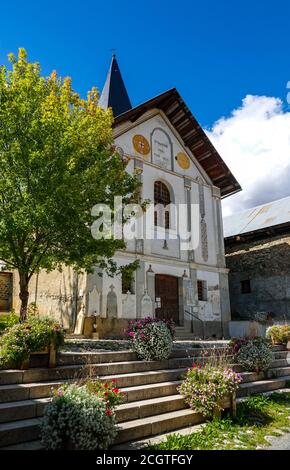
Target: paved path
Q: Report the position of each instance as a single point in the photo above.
(280, 443)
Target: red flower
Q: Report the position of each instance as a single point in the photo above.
(106, 385)
(194, 365)
(106, 394)
(113, 381)
(108, 412)
(115, 390)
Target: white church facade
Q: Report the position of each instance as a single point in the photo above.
(177, 164)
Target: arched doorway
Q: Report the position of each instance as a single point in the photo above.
(166, 296)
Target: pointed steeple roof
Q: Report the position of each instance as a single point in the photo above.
(114, 94)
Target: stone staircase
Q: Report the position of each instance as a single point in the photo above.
(183, 334)
(151, 405)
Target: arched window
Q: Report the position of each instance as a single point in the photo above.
(161, 198)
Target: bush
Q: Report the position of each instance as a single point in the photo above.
(255, 354)
(6, 321)
(278, 334)
(205, 387)
(33, 335)
(81, 417)
(150, 338)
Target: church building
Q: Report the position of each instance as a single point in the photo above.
(177, 164)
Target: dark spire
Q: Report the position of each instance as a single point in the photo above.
(114, 94)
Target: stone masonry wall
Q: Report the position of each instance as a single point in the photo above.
(56, 294)
(266, 264)
(5, 291)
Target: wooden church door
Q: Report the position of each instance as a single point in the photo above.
(166, 297)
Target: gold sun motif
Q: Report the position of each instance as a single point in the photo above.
(183, 160)
(141, 144)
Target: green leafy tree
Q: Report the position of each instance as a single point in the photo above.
(57, 160)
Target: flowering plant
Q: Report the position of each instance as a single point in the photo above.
(135, 325)
(80, 417)
(151, 338)
(204, 388)
(236, 344)
(254, 354)
(278, 334)
(33, 335)
(106, 390)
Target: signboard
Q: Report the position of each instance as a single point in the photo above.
(161, 148)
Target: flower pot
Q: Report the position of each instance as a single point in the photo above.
(228, 403)
(50, 351)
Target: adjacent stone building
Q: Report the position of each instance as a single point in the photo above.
(177, 164)
(257, 245)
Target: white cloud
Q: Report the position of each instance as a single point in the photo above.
(254, 141)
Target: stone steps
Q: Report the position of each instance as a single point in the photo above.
(30, 445)
(278, 372)
(19, 431)
(20, 410)
(139, 428)
(261, 386)
(152, 387)
(79, 371)
(42, 389)
(151, 402)
(73, 358)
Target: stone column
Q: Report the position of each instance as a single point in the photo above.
(140, 287)
(197, 325)
(219, 227)
(225, 303)
(181, 299)
(188, 200)
(150, 277)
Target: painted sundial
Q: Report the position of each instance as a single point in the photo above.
(183, 160)
(141, 144)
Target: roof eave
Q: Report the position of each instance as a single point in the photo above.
(193, 136)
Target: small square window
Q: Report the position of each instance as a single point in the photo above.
(246, 286)
(202, 290)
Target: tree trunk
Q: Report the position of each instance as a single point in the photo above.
(23, 295)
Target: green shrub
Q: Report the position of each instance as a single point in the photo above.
(81, 417)
(150, 338)
(205, 387)
(6, 321)
(33, 335)
(278, 334)
(255, 354)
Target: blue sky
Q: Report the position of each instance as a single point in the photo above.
(214, 52)
(230, 60)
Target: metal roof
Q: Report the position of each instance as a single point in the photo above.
(258, 218)
(193, 136)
